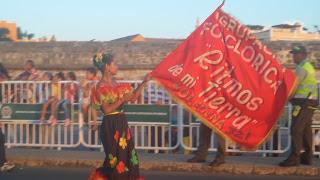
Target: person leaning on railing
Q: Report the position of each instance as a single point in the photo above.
(30, 72)
(53, 100)
(43, 89)
(86, 85)
(70, 96)
(4, 76)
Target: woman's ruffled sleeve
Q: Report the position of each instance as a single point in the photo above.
(125, 89)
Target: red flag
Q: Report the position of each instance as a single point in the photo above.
(228, 79)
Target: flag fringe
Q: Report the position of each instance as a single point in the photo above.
(243, 148)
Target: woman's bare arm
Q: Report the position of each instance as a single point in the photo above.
(138, 90)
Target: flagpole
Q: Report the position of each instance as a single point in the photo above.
(221, 5)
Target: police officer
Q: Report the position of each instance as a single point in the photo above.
(304, 103)
(202, 152)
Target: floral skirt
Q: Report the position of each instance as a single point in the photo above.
(121, 161)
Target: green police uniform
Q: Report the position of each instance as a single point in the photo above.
(304, 103)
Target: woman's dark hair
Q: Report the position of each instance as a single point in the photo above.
(72, 75)
(60, 75)
(49, 74)
(4, 71)
(31, 62)
(101, 59)
(92, 70)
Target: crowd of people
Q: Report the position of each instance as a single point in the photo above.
(108, 96)
(57, 91)
(52, 90)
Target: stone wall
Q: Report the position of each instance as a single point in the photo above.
(134, 58)
(282, 48)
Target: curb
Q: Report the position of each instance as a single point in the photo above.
(236, 169)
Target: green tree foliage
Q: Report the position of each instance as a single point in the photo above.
(4, 32)
(24, 35)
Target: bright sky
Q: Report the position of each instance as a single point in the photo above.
(83, 20)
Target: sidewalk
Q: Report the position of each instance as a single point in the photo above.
(246, 164)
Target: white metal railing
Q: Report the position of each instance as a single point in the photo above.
(315, 130)
(180, 131)
(30, 132)
(35, 134)
(279, 142)
(148, 136)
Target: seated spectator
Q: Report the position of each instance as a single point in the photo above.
(70, 95)
(30, 73)
(86, 85)
(44, 89)
(53, 100)
(4, 165)
(4, 75)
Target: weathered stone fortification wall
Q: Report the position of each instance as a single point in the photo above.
(134, 59)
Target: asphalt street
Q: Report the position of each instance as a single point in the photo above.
(83, 173)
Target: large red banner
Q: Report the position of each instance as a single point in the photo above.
(228, 79)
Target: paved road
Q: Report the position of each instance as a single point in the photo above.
(82, 174)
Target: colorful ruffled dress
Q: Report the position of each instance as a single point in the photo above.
(121, 161)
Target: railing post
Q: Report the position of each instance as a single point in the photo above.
(180, 124)
(289, 126)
